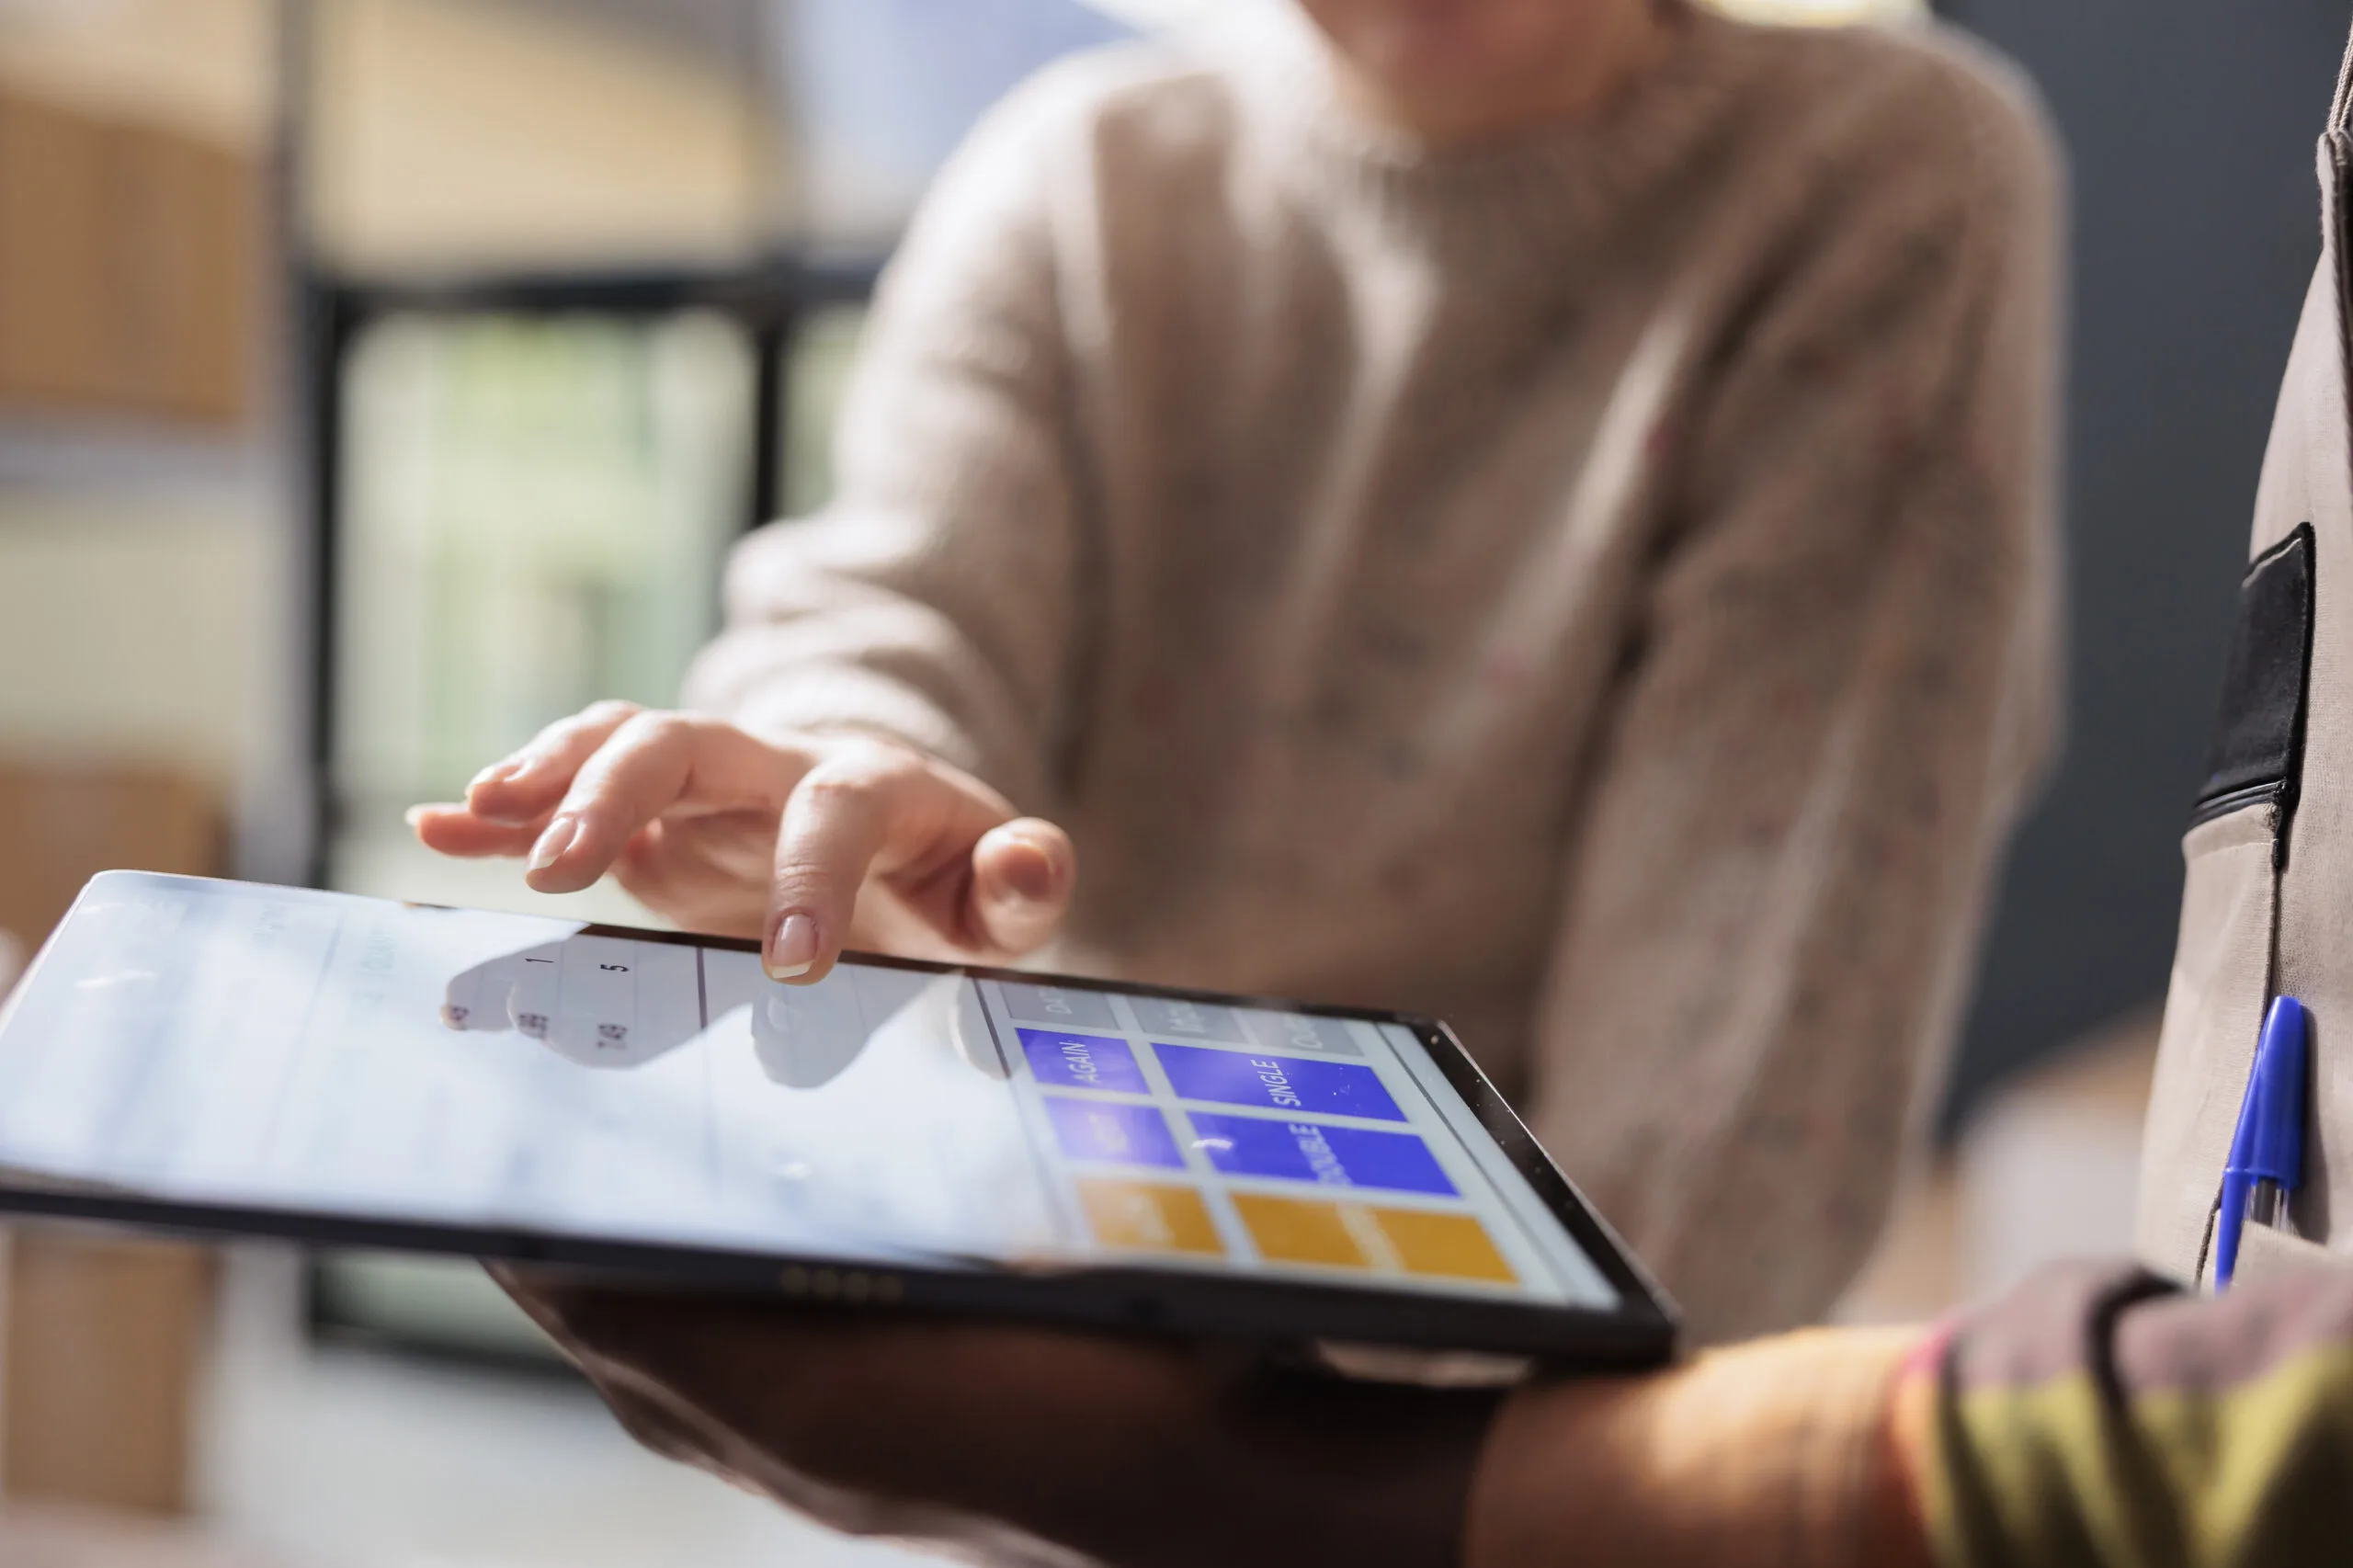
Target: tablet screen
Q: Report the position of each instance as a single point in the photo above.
(228, 1044)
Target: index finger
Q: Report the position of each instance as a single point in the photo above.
(653, 765)
(525, 786)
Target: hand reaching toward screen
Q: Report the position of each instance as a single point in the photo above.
(811, 843)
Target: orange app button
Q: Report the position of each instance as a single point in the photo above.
(1452, 1246)
(1141, 1215)
(1357, 1235)
(1293, 1229)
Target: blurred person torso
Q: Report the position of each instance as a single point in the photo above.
(1592, 585)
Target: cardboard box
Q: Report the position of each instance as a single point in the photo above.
(60, 826)
(130, 265)
(105, 1347)
(56, 343)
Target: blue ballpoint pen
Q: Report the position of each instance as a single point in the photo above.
(2267, 1159)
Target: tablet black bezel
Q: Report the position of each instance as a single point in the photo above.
(1639, 1332)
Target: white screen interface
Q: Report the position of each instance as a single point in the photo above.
(218, 1042)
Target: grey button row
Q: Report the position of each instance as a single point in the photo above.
(1172, 1018)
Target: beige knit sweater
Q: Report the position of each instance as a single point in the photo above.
(1597, 588)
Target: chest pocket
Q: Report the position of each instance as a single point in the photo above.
(2226, 958)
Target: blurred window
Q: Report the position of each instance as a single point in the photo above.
(823, 352)
(532, 514)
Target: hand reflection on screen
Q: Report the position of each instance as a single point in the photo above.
(591, 1001)
(524, 992)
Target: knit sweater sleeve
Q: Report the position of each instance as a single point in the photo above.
(930, 601)
(1842, 681)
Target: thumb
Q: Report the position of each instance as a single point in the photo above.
(1023, 874)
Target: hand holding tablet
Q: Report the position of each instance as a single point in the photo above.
(988, 1442)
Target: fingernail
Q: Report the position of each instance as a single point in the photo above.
(792, 949)
(412, 816)
(558, 837)
(496, 773)
(1032, 876)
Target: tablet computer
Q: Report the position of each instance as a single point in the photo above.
(231, 1058)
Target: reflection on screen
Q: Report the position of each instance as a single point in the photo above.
(212, 1042)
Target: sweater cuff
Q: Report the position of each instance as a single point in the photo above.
(1772, 1455)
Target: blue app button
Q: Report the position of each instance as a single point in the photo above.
(1109, 1132)
(1277, 1082)
(1312, 1152)
(1061, 1060)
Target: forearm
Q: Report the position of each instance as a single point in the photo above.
(1771, 1455)
(1294, 1468)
